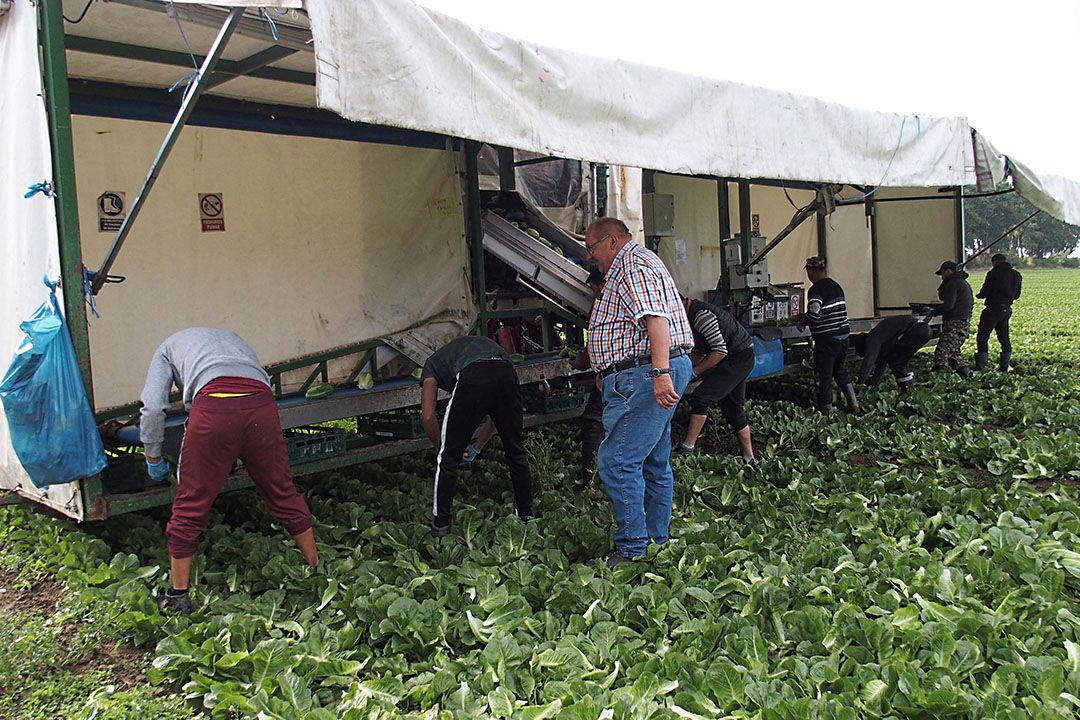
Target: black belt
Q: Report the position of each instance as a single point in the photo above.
(640, 360)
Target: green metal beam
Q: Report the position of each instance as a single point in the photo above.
(744, 219)
(58, 109)
(475, 232)
(723, 210)
(871, 210)
(250, 64)
(822, 237)
(960, 228)
(230, 68)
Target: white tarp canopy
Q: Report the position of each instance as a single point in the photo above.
(1053, 194)
(391, 62)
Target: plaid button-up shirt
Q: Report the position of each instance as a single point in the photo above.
(637, 285)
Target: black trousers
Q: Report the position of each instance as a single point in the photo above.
(592, 432)
(994, 318)
(900, 354)
(725, 383)
(488, 387)
(830, 361)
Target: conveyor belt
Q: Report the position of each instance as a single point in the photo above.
(540, 268)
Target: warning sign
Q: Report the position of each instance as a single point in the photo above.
(112, 209)
(211, 212)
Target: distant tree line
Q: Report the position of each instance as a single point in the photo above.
(1043, 240)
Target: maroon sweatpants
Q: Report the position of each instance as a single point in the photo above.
(218, 431)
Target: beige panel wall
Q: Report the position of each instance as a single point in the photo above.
(847, 247)
(913, 239)
(326, 242)
(693, 254)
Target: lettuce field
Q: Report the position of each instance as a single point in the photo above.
(921, 561)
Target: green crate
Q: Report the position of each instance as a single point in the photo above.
(557, 401)
(392, 423)
(313, 443)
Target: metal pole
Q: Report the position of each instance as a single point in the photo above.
(191, 96)
(1001, 237)
(744, 218)
(58, 109)
(871, 210)
(960, 231)
(507, 169)
(475, 232)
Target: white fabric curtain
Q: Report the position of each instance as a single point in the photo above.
(391, 62)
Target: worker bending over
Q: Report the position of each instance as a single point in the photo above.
(231, 415)
(723, 358)
(892, 342)
(482, 382)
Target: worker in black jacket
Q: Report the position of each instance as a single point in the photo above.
(1000, 288)
(955, 309)
(723, 357)
(892, 342)
(826, 314)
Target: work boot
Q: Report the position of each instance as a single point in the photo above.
(964, 371)
(852, 400)
(982, 360)
(905, 386)
(175, 602)
(825, 409)
(437, 530)
(1003, 361)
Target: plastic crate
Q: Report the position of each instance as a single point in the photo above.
(313, 443)
(392, 423)
(557, 401)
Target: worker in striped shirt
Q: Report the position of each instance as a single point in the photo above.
(826, 314)
(639, 339)
(723, 358)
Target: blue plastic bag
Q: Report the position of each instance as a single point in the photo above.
(52, 427)
(768, 357)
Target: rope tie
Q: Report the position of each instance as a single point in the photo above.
(270, 21)
(44, 187)
(88, 291)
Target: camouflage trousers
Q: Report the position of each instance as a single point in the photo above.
(947, 354)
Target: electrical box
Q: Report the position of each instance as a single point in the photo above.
(658, 214)
(757, 276)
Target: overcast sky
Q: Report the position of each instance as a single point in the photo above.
(1009, 66)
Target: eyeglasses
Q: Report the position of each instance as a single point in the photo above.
(589, 247)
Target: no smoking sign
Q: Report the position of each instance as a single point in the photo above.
(211, 212)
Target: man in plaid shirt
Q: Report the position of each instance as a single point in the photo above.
(639, 339)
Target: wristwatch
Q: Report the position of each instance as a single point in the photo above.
(657, 372)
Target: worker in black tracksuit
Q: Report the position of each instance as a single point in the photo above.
(1000, 288)
(723, 358)
(481, 381)
(826, 314)
(892, 342)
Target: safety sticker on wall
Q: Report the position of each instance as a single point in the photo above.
(211, 212)
(111, 210)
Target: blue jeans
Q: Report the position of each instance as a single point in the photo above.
(635, 457)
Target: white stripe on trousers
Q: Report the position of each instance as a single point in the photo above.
(442, 448)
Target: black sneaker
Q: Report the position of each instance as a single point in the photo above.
(180, 604)
(439, 530)
(615, 559)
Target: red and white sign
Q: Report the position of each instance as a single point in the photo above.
(211, 212)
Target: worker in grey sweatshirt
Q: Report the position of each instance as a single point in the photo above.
(232, 414)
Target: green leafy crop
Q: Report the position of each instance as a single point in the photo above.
(921, 561)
